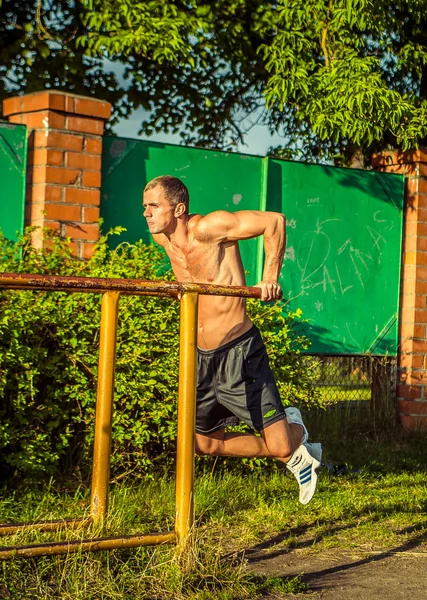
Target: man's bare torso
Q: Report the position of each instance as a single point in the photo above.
(221, 319)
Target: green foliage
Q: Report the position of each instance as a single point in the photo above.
(38, 51)
(334, 79)
(49, 353)
(353, 71)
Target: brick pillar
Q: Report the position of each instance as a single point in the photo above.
(64, 163)
(412, 359)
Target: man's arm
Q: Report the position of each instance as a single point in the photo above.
(246, 224)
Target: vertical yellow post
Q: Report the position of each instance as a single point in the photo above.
(186, 416)
(104, 405)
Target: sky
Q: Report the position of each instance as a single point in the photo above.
(257, 141)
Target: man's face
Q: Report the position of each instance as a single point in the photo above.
(158, 211)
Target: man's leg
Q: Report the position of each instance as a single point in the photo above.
(279, 441)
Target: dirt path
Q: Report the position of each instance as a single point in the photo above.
(344, 575)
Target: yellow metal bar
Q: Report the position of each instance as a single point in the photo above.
(186, 416)
(104, 406)
(94, 545)
(11, 528)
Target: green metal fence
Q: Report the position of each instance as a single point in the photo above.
(13, 159)
(342, 265)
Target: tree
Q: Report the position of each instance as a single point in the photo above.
(336, 78)
(38, 51)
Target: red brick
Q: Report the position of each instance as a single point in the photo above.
(411, 407)
(15, 119)
(406, 330)
(419, 332)
(59, 175)
(413, 423)
(93, 145)
(92, 108)
(411, 228)
(421, 201)
(12, 106)
(88, 249)
(62, 212)
(422, 229)
(420, 273)
(407, 286)
(410, 244)
(421, 287)
(75, 248)
(409, 272)
(419, 346)
(422, 214)
(411, 361)
(83, 161)
(407, 314)
(63, 141)
(411, 216)
(44, 156)
(82, 232)
(44, 119)
(54, 225)
(79, 196)
(91, 179)
(418, 377)
(40, 193)
(421, 258)
(37, 212)
(408, 301)
(410, 258)
(412, 184)
(90, 215)
(34, 102)
(85, 125)
(409, 391)
(420, 316)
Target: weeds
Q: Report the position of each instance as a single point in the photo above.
(378, 503)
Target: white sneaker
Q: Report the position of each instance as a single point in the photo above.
(304, 464)
(293, 415)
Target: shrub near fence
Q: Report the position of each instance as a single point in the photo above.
(49, 356)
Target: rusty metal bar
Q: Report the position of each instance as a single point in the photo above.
(18, 281)
(93, 545)
(184, 519)
(45, 525)
(104, 406)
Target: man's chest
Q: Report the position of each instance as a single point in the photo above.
(199, 262)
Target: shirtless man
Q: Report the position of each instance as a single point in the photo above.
(234, 378)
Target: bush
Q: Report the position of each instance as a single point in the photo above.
(49, 354)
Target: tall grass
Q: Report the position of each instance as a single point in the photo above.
(380, 503)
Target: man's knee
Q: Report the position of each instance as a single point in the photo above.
(280, 449)
(278, 441)
(207, 446)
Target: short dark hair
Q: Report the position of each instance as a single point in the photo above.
(173, 188)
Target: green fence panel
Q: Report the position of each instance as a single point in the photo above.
(13, 161)
(216, 181)
(342, 263)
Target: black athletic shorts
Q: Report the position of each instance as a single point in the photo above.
(235, 383)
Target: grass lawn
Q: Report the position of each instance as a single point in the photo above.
(379, 503)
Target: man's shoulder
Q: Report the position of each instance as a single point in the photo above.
(208, 225)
